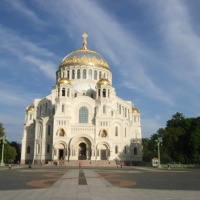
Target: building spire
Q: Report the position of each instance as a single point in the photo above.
(84, 40)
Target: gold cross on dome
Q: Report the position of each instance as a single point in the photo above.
(84, 40)
(84, 36)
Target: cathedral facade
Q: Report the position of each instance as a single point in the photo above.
(82, 118)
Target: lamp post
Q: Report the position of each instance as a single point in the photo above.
(159, 141)
(3, 138)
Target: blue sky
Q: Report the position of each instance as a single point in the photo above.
(151, 46)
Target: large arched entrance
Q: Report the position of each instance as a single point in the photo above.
(82, 151)
(59, 151)
(81, 148)
(103, 151)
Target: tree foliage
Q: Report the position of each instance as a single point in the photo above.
(1, 130)
(180, 141)
(11, 150)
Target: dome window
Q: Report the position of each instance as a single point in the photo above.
(68, 74)
(90, 74)
(104, 92)
(73, 74)
(84, 74)
(99, 75)
(63, 92)
(78, 74)
(95, 75)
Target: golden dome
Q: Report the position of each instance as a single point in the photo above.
(135, 110)
(64, 80)
(103, 81)
(30, 108)
(84, 56)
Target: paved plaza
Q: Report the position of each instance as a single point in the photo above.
(59, 183)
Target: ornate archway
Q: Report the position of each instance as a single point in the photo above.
(103, 151)
(82, 151)
(81, 148)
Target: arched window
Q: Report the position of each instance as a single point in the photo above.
(125, 132)
(63, 108)
(83, 115)
(135, 151)
(75, 95)
(99, 75)
(119, 109)
(49, 130)
(68, 74)
(92, 95)
(63, 92)
(99, 92)
(104, 92)
(90, 74)
(48, 148)
(68, 93)
(78, 74)
(95, 75)
(125, 149)
(116, 149)
(84, 74)
(116, 131)
(28, 149)
(73, 74)
(40, 110)
(104, 108)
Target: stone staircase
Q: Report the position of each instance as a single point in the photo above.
(83, 163)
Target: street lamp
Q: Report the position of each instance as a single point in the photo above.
(3, 138)
(159, 141)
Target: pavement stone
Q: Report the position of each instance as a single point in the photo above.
(67, 187)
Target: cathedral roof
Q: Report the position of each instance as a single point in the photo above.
(103, 81)
(84, 56)
(64, 80)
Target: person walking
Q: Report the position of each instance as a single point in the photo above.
(168, 165)
(9, 166)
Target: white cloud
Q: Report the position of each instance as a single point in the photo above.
(181, 40)
(120, 46)
(28, 51)
(20, 7)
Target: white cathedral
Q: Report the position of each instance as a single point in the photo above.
(82, 118)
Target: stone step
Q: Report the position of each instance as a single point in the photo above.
(84, 163)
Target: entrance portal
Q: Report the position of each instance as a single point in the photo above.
(82, 151)
(103, 154)
(61, 154)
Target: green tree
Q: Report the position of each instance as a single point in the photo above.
(1, 130)
(18, 150)
(180, 139)
(10, 153)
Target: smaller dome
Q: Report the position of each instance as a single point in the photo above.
(103, 81)
(30, 108)
(65, 81)
(135, 110)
